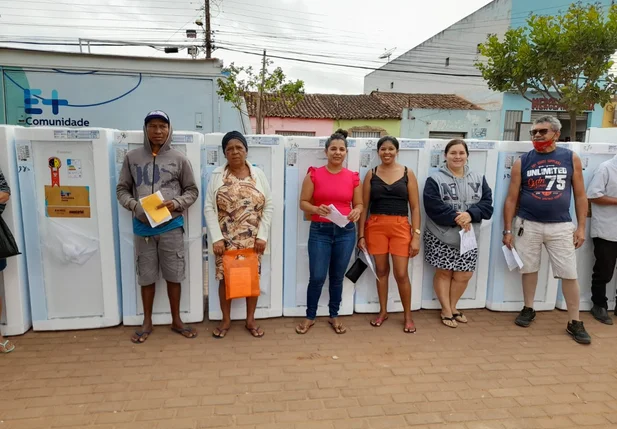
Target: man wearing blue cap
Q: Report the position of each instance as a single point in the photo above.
(158, 167)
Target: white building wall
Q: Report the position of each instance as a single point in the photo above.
(459, 43)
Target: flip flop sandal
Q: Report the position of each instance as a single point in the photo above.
(181, 331)
(219, 333)
(140, 335)
(379, 321)
(302, 329)
(255, 331)
(450, 322)
(338, 327)
(410, 328)
(5, 348)
(460, 317)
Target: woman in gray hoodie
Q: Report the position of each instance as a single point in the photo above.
(455, 198)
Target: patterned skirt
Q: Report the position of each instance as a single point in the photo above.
(442, 256)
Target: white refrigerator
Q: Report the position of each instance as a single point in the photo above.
(300, 154)
(505, 289)
(482, 159)
(414, 155)
(192, 295)
(66, 197)
(16, 318)
(592, 155)
(265, 152)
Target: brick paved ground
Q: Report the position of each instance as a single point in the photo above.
(489, 374)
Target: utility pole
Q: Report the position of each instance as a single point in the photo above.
(208, 31)
(260, 118)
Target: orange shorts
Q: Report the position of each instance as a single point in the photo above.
(387, 234)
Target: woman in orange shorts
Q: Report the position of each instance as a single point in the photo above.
(389, 191)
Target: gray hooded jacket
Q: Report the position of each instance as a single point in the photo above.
(446, 194)
(143, 174)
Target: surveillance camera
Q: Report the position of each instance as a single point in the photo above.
(199, 22)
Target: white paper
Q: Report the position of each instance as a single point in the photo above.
(468, 240)
(166, 219)
(336, 217)
(369, 262)
(512, 258)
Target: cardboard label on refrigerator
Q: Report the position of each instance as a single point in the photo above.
(67, 201)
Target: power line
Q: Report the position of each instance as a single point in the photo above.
(354, 67)
(95, 12)
(105, 19)
(334, 55)
(115, 6)
(276, 8)
(286, 22)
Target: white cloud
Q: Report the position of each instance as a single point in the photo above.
(334, 32)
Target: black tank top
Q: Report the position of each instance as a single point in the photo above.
(387, 199)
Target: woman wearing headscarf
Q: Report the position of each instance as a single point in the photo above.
(238, 213)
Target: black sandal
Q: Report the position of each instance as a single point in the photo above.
(459, 317)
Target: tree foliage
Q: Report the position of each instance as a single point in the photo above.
(565, 58)
(272, 88)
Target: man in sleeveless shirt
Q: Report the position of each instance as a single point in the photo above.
(542, 183)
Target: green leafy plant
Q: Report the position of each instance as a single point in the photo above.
(272, 88)
(566, 58)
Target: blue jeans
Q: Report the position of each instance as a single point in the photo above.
(329, 250)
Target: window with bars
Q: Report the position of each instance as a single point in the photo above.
(366, 134)
(295, 133)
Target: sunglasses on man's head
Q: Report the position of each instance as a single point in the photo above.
(541, 131)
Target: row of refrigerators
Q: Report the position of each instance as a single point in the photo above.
(77, 269)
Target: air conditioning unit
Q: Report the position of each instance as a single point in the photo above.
(193, 51)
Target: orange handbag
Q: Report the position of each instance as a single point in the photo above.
(241, 271)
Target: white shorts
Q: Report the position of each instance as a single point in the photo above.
(558, 238)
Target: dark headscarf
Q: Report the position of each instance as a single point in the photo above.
(234, 135)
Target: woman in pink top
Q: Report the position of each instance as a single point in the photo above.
(329, 246)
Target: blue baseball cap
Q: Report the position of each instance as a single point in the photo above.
(156, 114)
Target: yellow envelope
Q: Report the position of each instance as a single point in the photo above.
(150, 204)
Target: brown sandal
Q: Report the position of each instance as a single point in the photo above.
(450, 322)
(256, 332)
(303, 328)
(338, 327)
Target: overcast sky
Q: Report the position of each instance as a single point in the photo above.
(330, 31)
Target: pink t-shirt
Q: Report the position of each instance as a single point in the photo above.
(334, 189)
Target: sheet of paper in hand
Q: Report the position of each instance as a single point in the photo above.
(512, 258)
(468, 240)
(336, 217)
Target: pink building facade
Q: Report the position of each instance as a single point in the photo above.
(296, 126)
